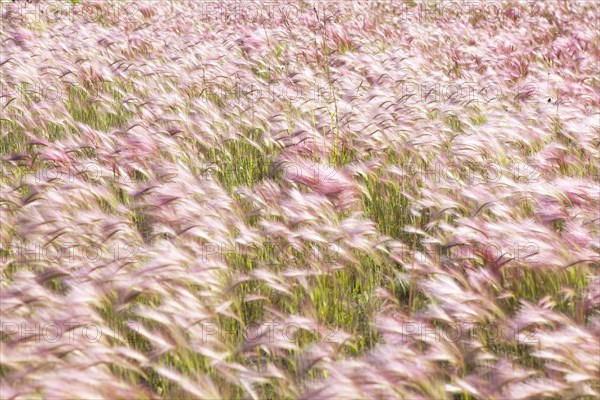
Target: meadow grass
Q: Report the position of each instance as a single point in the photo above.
(227, 237)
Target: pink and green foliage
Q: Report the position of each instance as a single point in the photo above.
(308, 199)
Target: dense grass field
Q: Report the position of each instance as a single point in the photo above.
(299, 200)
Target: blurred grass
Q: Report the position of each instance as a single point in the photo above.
(343, 299)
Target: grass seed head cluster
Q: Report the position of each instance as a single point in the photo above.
(310, 199)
